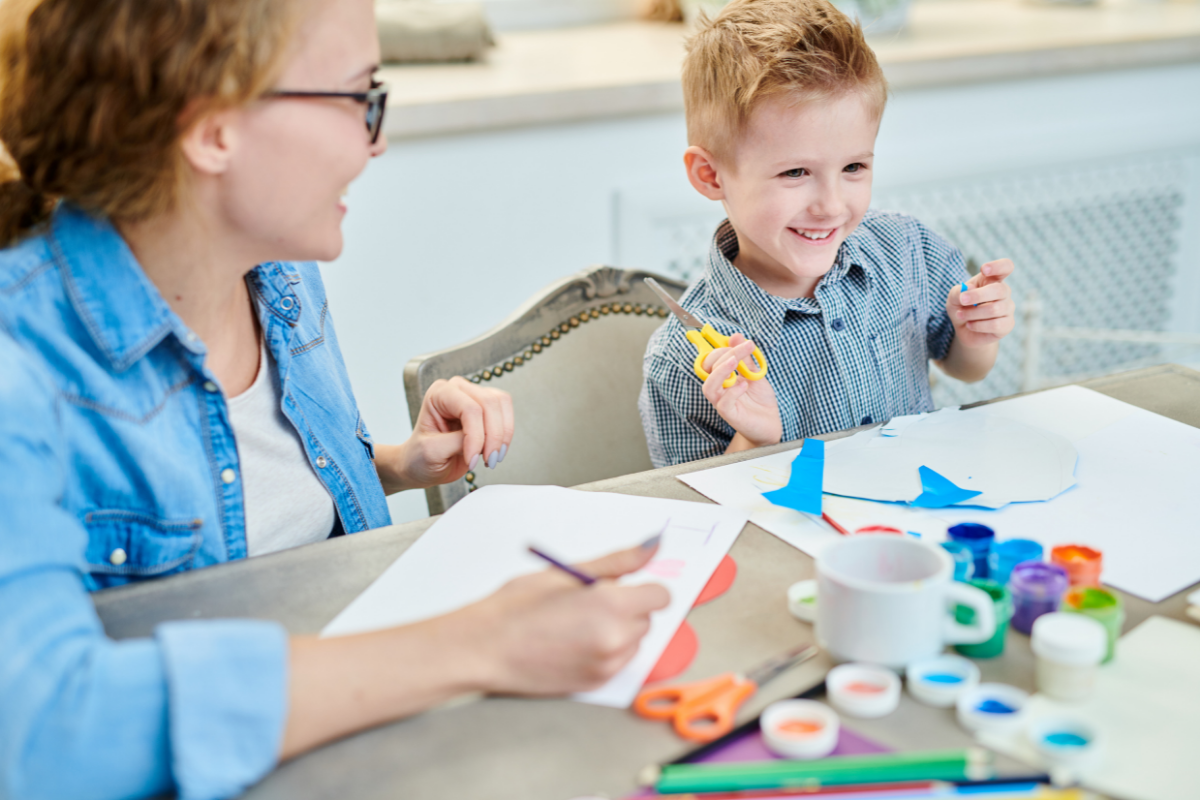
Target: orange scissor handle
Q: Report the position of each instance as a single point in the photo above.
(708, 339)
(702, 711)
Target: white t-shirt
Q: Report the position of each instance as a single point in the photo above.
(286, 504)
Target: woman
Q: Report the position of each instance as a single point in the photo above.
(166, 404)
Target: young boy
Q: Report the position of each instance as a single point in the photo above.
(783, 101)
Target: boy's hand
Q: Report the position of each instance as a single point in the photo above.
(984, 314)
(748, 406)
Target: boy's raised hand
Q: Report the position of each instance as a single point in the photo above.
(984, 314)
(749, 407)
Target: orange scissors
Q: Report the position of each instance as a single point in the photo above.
(705, 710)
(705, 338)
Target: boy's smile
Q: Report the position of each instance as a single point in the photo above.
(796, 185)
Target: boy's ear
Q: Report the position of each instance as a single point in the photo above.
(702, 172)
(208, 143)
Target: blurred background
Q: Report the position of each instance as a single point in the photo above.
(529, 139)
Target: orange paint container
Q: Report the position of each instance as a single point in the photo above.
(1082, 563)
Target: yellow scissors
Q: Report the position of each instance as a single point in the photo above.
(706, 339)
(705, 710)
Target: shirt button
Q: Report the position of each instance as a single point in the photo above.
(209, 386)
(287, 303)
(118, 557)
(228, 475)
(321, 462)
(838, 324)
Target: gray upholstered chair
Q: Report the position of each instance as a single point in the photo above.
(571, 357)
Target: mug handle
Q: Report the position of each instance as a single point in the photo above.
(984, 624)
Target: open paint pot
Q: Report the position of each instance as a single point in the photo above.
(1064, 741)
(939, 681)
(863, 690)
(800, 729)
(995, 707)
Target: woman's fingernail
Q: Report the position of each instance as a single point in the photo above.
(503, 451)
(493, 459)
(652, 542)
(474, 461)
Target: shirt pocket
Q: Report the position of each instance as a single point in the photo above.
(898, 348)
(127, 545)
(364, 436)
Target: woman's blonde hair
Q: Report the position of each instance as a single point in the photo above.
(754, 49)
(95, 96)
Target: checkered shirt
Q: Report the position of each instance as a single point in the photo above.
(856, 353)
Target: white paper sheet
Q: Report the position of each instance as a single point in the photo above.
(1007, 460)
(1145, 707)
(1135, 499)
(480, 544)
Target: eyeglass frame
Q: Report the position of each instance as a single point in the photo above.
(375, 99)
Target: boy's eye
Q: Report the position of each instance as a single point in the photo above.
(794, 173)
(855, 167)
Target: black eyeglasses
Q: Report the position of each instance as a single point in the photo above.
(375, 99)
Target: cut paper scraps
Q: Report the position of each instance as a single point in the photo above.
(803, 490)
(938, 492)
(480, 544)
(952, 457)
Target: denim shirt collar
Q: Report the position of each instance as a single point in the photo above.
(759, 313)
(122, 310)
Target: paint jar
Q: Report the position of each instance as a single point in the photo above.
(802, 600)
(1082, 563)
(869, 530)
(1101, 605)
(863, 690)
(964, 560)
(1069, 648)
(1036, 588)
(1065, 741)
(938, 682)
(993, 707)
(977, 537)
(800, 729)
(1006, 555)
(1004, 611)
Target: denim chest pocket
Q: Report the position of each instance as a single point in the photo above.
(126, 545)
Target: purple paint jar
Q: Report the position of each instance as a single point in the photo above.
(1037, 588)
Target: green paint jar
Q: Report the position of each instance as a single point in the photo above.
(1101, 605)
(1004, 610)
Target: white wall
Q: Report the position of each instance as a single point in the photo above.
(446, 236)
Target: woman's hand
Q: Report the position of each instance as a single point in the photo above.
(547, 634)
(749, 407)
(460, 427)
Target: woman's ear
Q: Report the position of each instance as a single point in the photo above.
(702, 172)
(209, 142)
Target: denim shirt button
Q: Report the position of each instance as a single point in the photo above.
(321, 462)
(118, 557)
(287, 303)
(228, 475)
(209, 386)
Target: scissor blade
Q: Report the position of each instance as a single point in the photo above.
(676, 309)
(769, 669)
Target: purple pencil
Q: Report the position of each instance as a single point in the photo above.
(587, 580)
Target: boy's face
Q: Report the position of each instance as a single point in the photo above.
(798, 185)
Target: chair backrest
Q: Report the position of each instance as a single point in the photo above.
(571, 357)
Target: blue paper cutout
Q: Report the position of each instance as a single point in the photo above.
(939, 492)
(804, 486)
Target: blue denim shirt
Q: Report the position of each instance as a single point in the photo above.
(117, 464)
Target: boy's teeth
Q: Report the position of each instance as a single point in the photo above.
(815, 234)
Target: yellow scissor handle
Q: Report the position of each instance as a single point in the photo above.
(708, 339)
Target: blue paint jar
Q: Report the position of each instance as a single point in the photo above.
(964, 560)
(1006, 555)
(977, 537)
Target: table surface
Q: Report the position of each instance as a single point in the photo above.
(498, 748)
(598, 71)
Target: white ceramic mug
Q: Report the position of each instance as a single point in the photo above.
(890, 600)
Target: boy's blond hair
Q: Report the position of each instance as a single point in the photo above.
(755, 49)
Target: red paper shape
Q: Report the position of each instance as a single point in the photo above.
(678, 655)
